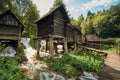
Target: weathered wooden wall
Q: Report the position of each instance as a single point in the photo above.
(70, 34)
(10, 27)
(45, 29)
(77, 37)
(59, 23)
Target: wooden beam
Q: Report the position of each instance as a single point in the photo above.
(65, 45)
(38, 46)
(51, 46)
(47, 45)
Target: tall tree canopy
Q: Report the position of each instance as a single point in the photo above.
(105, 24)
(56, 4)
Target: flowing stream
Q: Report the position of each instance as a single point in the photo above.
(8, 51)
(37, 70)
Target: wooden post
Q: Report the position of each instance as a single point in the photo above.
(47, 45)
(75, 47)
(65, 45)
(51, 46)
(55, 47)
(19, 37)
(38, 46)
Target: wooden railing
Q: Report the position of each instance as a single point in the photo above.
(103, 47)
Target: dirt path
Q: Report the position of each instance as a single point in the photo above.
(111, 69)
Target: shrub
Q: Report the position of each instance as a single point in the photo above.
(33, 43)
(9, 69)
(111, 41)
(20, 55)
(69, 63)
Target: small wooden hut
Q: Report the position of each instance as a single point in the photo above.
(10, 28)
(92, 41)
(92, 38)
(52, 28)
(74, 36)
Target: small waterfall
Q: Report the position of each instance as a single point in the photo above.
(37, 70)
(29, 51)
(8, 51)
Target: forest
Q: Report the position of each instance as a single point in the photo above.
(105, 24)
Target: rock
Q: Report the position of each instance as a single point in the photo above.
(58, 77)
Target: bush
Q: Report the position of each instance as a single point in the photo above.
(9, 69)
(111, 41)
(70, 63)
(20, 55)
(33, 43)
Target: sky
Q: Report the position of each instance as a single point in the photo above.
(76, 7)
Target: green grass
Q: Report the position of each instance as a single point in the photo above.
(69, 64)
(111, 50)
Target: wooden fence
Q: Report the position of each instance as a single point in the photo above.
(114, 48)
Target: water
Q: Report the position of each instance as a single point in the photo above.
(8, 51)
(37, 70)
(29, 51)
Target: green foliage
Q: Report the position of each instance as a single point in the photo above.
(31, 14)
(37, 56)
(110, 50)
(56, 4)
(111, 41)
(20, 55)
(77, 23)
(33, 43)
(2, 46)
(87, 26)
(105, 24)
(70, 63)
(9, 69)
(26, 11)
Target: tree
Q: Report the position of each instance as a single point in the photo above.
(90, 13)
(87, 25)
(79, 21)
(31, 15)
(74, 22)
(56, 4)
(25, 10)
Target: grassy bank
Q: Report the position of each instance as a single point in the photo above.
(73, 64)
(9, 69)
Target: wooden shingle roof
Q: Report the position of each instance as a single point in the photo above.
(92, 37)
(10, 12)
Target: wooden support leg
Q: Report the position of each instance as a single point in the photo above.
(51, 46)
(75, 47)
(38, 46)
(55, 47)
(47, 45)
(65, 45)
(19, 43)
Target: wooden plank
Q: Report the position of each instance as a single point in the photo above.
(47, 45)
(11, 37)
